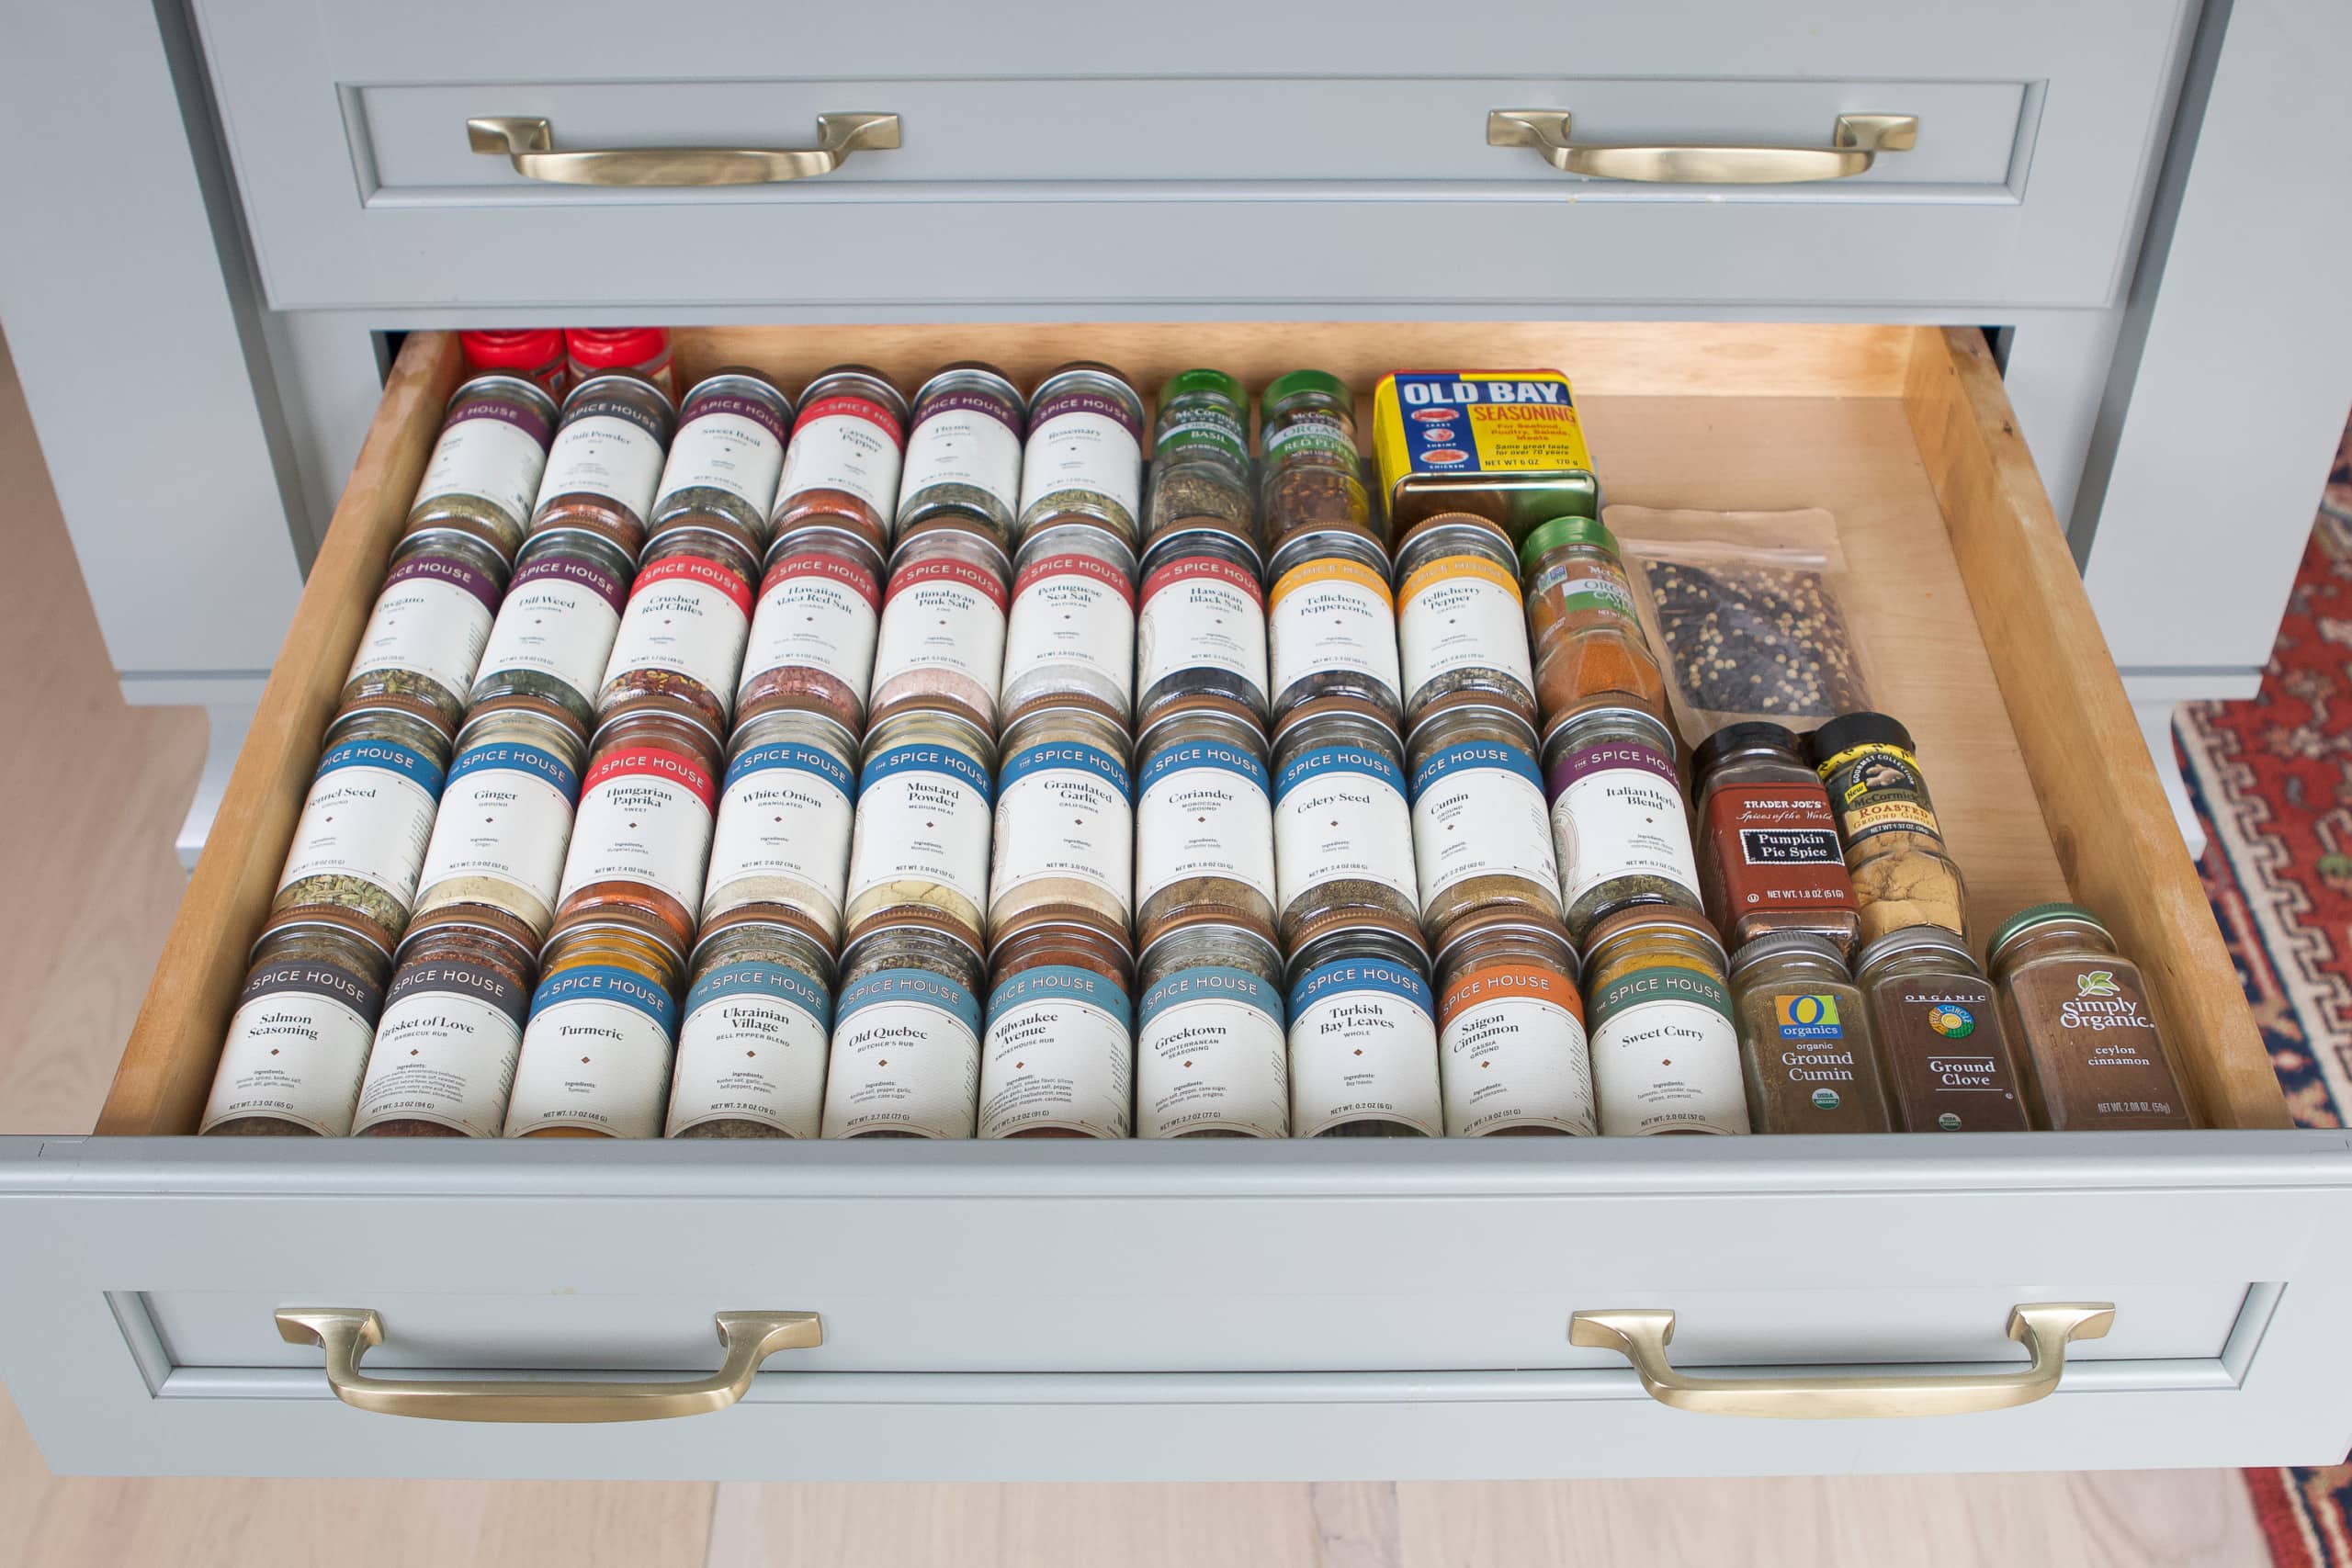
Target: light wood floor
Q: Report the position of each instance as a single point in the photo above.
(92, 791)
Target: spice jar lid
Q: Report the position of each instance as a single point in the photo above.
(974, 735)
(528, 347)
(1298, 381)
(323, 917)
(2036, 914)
(1186, 382)
(1189, 536)
(582, 539)
(653, 705)
(1040, 540)
(1202, 707)
(905, 917)
(1652, 917)
(548, 709)
(1065, 706)
(393, 702)
(1849, 730)
(1785, 944)
(822, 532)
(1469, 522)
(975, 370)
(747, 379)
(1510, 922)
(1562, 531)
(618, 347)
(1482, 706)
(615, 381)
(504, 385)
(1196, 922)
(610, 918)
(483, 920)
(1355, 917)
(777, 917)
(1904, 938)
(1077, 922)
(1750, 735)
(863, 379)
(1082, 368)
(783, 711)
(1318, 708)
(1357, 544)
(1649, 724)
(958, 525)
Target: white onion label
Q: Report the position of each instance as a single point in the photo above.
(645, 817)
(1073, 613)
(1064, 810)
(493, 450)
(1058, 1054)
(369, 815)
(1511, 1052)
(687, 616)
(1462, 612)
(1334, 615)
(942, 614)
(1617, 811)
(815, 612)
(445, 1049)
(1340, 812)
(560, 617)
(849, 443)
(296, 1046)
(506, 815)
(1200, 612)
(922, 816)
(1666, 1054)
(906, 1057)
(1478, 811)
(433, 618)
(595, 1053)
(726, 441)
(1206, 810)
(962, 439)
(784, 812)
(1210, 1055)
(1082, 441)
(1362, 1048)
(607, 447)
(752, 1049)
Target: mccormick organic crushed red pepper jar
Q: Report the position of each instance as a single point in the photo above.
(643, 351)
(535, 354)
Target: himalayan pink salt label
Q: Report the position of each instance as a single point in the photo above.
(944, 616)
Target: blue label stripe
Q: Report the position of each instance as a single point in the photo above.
(528, 760)
(928, 758)
(1065, 755)
(768, 982)
(1204, 754)
(1213, 983)
(1334, 760)
(790, 754)
(388, 755)
(1472, 754)
(608, 983)
(1342, 975)
(910, 986)
(1060, 982)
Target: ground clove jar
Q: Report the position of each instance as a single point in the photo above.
(754, 1034)
(1513, 1057)
(785, 815)
(1313, 475)
(444, 1059)
(505, 817)
(1460, 628)
(1084, 456)
(486, 465)
(1065, 818)
(360, 842)
(812, 635)
(1058, 1056)
(1200, 458)
(1617, 816)
(1343, 833)
(727, 457)
(298, 1041)
(602, 1029)
(2089, 1055)
(1804, 1039)
(1202, 628)
(1072, 630)
(964, 450)
(1895, 848)
(1948, 1065)
(555, 628)
(1211, 1055)
(681, 639)
(920, 842)
(1664, 1039)
(906, 1054)
(1768, 858)
(942, 640)
(640, 841)
(843, 464)
(1589, 646)
(1331, 622)
(431, 620)
(607, 460)
(1482, 837)
(1205, 820)
(1362, 1032)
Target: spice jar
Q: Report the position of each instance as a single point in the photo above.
(680, 640)
(1202, 628)
(1459, 625)
(1948, 1065)
(811, 643)
(555, 628)
(1313, 475)
(1205, 820)
(1211, 1057)
(751, 1044)
(1590, 650)
(452, 1025)
(1084, 456)
(1058, 1059)
(727, 457)
(1343, 834)
(486, 464)
(906, 1055)
(942, 639)
(1664, 1041)
(1804, 1039)
(603, 1028)
(1071, 631)
(1903, 876)
(360, 842)
(640, 841)
(1769, 859)
(535, 354)
(1065, 818)
(641, 351)
(505, 817)
(2089, 1054)
(1200, 458)
(298, 1042)
(607, 460)
(1362, 1032)
(1331, 622)
(1617, 816)
(842, 465)
(432, 617)
(964, 451)
(1481, 835)
(920, 840)
(1511, 1055)
(785, 815)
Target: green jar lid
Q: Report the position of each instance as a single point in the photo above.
(1186, 382)
(1299, 381)
(1566, 531)
(2025, 919)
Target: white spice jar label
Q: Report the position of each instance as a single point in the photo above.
(434, 617)
(1512, 1052)
(493, 450)
(1340, 812)
(1206, 810)
(506, 815)
(645, 817)
(1332, 614)
(1074, 613)
(728, 443)
(848, 444)
(369, 815)
(595, 1053)
(752, 1049)
(560, 617)
(943, 616)
(815, 612)
(1210, 1055)
(1065, 810)
(906, 1057)
(1082, 441)
(687, 616)
(1363, 1046)
(1200, 612)
(1462, 612)
(922, 816)
(446, 1049)
(1058, 1054)
(1617, 811)
(785, 812)
(1478, 811)
(963, 439)
(1666, 1054)
(607, 447)
(296, 1046)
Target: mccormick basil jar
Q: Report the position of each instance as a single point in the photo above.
(1664, 1041)
(1362, 1032)
(360, 842)
(298, 1042)
(1211, 1057)
(752, 1042)
(906, 1053)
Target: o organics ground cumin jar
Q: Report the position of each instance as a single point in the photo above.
(1804, 1037)
(360, 842)
(680, 640)
(555, 628)
(486, 466)
(906, 1054)
(1664, 1039)
(1513, 1057)
(298, 1042)
(431, 619)
(1362, 1032)
(1058, 1058)
(444, 1059)
(1212, 1058)
(606, 461)
(753, 1041)
(1482, 837)
(505, 817)
(1205, 820)
(640, 841)
(604, 1025)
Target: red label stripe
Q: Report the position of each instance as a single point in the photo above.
(832, 568)
(652, 761)
(693, 568)
(1074, 565)
(964, 573)
(1191, 569)
(845, 407)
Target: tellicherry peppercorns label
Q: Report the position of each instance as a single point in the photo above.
(1461, 613)
(1334, 614)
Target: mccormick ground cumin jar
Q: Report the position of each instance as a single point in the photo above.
(360, 842)
(505, 817)
(1482, 837)
(942, 640)
(1460, 627)
(1343, 833)
(1664, 1039)
(1618, 820)
(1205, 820)
(1084, 454)
(607, 460)
(1212, 1059)
(680, 640)
(812, 642)
(431, 620)
(964, 451)
(1939, 1032)
(754, 1030)
(926, 791)
(486, 466)
(1065, 828)
(640, 841)
(906, 1053)
(1362, 1032)
(1072, 630)
(785, 809)
(603, 1028)
(1058, 1056)
(727, 457)
(555, 628)
(2090, 1057)
(298, 1042)
(1513, 1057)
(843, 464)
(443, 1060)
(1202, 628)
(1331, 622)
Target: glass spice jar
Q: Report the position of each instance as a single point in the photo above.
(602, 1029)
(1343, 833)
(1072, 630)
(444, 1059)
(1948, 1066)
(1617, 816)
(1512, 1059)
(1058, 1054)
(813, 630)
(535, 354)
(1664, 1039)
(1065, 817)
(942, 638)
(785, 815)
(1200, 458)
(754, 1034)
(1590, 650)
(640, 350)
(1460, 627)
(906, 1054)
(486, 464)
(360, 842)
(1363, 1030)
(1313, 475)
(2090, 1058)
(1205, 820)
(505, 816)
(680, 640)
(920, 840)
(1769, 859)
(430, 623)
(842, 465)
(1903, 876)
(727, 457)
(555, 628)
(1200, 631)
(640, 841)
(1084, 456)
(607, 460)
(1331, 623)
(1804, 1039)
(298, 1041)
(1482, 837)
(964, 451)
(1212, 1059)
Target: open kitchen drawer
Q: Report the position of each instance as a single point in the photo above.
(1238, 1310)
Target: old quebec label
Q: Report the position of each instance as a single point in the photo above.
(906, 1057)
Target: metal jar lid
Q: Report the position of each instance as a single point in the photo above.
(1909, 938)
(1510, 921)
(2039, 915)
(1786, 944)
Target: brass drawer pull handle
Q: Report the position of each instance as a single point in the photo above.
(346, 1333)
(1642, 1334)
(1854, 145)
(528, 143)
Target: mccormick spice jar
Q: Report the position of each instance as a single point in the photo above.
(727, 457)
(942, 639)
(785, 816)
(812, 635)
(641, 842)
(925, 791)
(1459, 625)
(486, 466)
(1504, 444)
(1200, 458)
(1769, 859)
(1664, 1041)
(1894, 849)
(444, 1059)
(298, 1041)
(1510, 1046)
(1947, 1064)
(1071, 632)
(1343, 835)
(1057, 1058)
(505, 817)
(1211, 1059)
(1804, 1039)
(1313, 475)
(1065, 818)
(360, 842)
(1202, 628)
(681, 639)
(431, 620)
(535, 354)
(906, 1055)
(1482, 837)
(1084, 458)
(641, 351)
(1590, 650)
(554, 629)
(606, 461)
(842, 465)
(751, 1044)
(964, 452)
(2090, 1057)
(1617, 816)
(1362, 1032)
(603, 1027)
(1331, 622)
(1205, 820)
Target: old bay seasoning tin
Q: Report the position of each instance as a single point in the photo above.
(1504, 445)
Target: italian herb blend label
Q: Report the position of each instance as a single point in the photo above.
(446, 1049)
(785, 811)
(645, 817)
(1205, 811)
(1511, 1052)
(1617, 811)
(1469, 422)
(1363, 1047)
(1877, 788)
(687, 616)
(1332, 614)
(1211, 1055)
(1478, 811)
(1071, 612)
(1340, 812)
(296, 1046)
(1063, 810)
(752, 1048)
(558, 619)
(595, 1053)
(906, 1057)
(1200, 612)
(846, 442)
(1461, 613)
(1059, 1053)
(1666, 1054)
(815, 612)
(922, 815)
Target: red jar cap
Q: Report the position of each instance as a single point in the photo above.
(618, 348)
(527, 348)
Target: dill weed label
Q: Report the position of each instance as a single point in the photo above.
(1666, 1054)
(595, 1053)
(560, 617)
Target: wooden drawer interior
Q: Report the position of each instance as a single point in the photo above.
(1968, 606)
